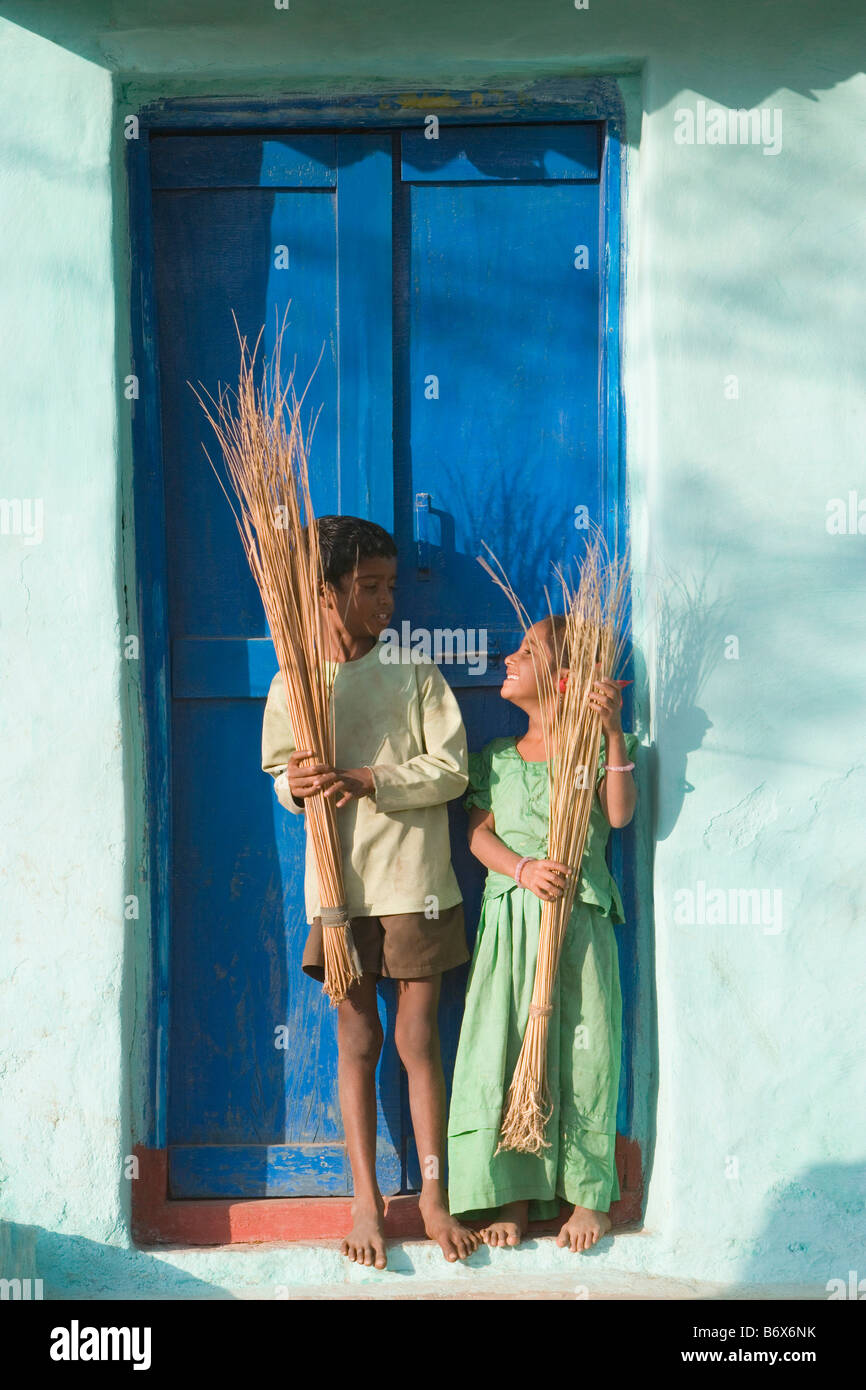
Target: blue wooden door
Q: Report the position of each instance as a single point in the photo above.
(250, 224)
(455, 286)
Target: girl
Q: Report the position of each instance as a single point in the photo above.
(508, 805)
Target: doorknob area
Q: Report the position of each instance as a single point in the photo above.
(422, 533)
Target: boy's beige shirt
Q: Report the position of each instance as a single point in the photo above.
(403, 722)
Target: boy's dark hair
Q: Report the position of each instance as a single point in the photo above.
(346, 540)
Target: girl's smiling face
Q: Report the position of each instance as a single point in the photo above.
(520, 685)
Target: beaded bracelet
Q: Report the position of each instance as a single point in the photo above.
(608, 768)
(518, 868)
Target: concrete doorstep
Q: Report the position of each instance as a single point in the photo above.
(538, 1269)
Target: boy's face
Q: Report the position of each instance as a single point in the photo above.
(363, 602)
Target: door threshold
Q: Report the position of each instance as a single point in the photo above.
(159, 1220)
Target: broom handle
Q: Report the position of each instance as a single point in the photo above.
(556, 914)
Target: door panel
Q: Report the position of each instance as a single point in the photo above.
(509, 329)
(498, 401)
(253, 1107)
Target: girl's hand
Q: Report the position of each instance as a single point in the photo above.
(606, 697)
(545, 878)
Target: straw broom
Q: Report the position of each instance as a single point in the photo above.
(592, 634)
(267, 466)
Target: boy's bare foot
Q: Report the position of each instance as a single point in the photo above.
(457, 1241)
(365, 1243)
(583, 1228)
(509, 1226)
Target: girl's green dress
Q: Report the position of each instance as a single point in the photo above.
(585, 1030)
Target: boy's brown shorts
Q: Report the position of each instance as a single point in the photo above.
(399, 946)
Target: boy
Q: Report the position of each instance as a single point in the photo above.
(401, 754)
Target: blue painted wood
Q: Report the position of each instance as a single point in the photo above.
(222, 668)
(153, 628)
(257, 1170)
(216, 251)
(622, 845)
(509, 102)
(559, 101)
(500, 414)
(612, 419)
(480, 153)
(549, 99)
(365, 439)
(241, 668)
(244, 161)
(500, 374)
(237, 916)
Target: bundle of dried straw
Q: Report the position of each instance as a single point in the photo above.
(267, 466)
(588, 641)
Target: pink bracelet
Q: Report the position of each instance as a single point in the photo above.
(608, 768)
(518, 868)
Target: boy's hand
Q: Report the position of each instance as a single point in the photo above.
(346, 783)
(306, 781)
(354, 782)
(545, 878)
(606, 698)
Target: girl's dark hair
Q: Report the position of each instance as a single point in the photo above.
(345, 540)
(554, 628)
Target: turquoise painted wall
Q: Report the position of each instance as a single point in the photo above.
(744, 380)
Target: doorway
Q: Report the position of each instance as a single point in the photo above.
(460, 281)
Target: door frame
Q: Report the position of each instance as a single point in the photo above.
(156, 1218)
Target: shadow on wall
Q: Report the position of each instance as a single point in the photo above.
(814, 1232)
(743, 52)
(74, 1267)
(691, 630)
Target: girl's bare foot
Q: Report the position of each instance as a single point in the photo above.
(456, 1241)
(509, 1226)
(365, 1243)
(583, 1228)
